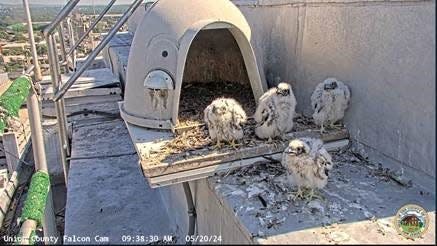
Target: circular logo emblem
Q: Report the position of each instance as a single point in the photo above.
(411, 221)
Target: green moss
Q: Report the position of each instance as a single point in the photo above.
(13, 98)
(35, 203)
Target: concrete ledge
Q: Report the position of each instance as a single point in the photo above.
(359, 206)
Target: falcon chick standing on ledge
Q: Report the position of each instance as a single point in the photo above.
(275, 111)
(225, 118)
(329, 100)
(307, 164)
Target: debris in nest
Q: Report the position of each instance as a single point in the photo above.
(252, 191)
(302, 122)
(263, 201)
(316, 207)
(397, 176)
(359, 151)
(191, 134)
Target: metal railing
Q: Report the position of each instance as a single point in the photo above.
(60, 88)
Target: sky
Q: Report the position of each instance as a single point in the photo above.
(62, 2)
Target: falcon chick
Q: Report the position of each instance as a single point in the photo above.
(275, 111)
(307, 164)
(329, 100)
(225, 118)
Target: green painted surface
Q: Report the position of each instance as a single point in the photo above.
(13, 98)
(35, 203)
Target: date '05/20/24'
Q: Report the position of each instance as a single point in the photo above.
(203, 238)
(170, 238)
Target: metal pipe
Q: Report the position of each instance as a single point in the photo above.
(30, 69)
(95, 52)
(62, 42)
(99, 18)
(26, 231)
(191, 209)
(59, 106)
(62, 119)
(65, 11)
(71, 42)
(37, 69)
(39, 154)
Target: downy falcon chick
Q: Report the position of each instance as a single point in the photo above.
(329, 100)
(275, 112)
(225, 118)
(307, 164)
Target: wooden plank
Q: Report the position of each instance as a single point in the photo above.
(214, 158)
(145, 143)
(12, 152)
(199, 173)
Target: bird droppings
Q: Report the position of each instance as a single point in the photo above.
(355, 192)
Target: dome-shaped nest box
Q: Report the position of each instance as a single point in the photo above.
(180, 42)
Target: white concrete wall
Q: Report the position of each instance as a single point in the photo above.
(385, 52)
(214, 217)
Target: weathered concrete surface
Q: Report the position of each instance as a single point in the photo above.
(358, 200)
(385, 51)
(108, 196)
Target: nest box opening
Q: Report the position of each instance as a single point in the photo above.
(214, 68)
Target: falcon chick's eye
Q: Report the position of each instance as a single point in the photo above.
(283, 92)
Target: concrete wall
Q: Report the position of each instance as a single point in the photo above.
(385, 52)
(214, 217)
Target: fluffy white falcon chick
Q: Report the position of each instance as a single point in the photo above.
(225, 118)
(275, 112)
(329, 100)
(307, 163)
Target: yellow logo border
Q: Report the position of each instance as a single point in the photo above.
(406, 207)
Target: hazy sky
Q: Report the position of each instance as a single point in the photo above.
(62, 2)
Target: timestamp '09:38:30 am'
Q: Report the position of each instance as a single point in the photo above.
(146, 239)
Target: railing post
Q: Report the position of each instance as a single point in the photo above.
(49, 221)
(62, 43)
(59, 105)
(72, 42)
(37, 69)
(90, 58)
